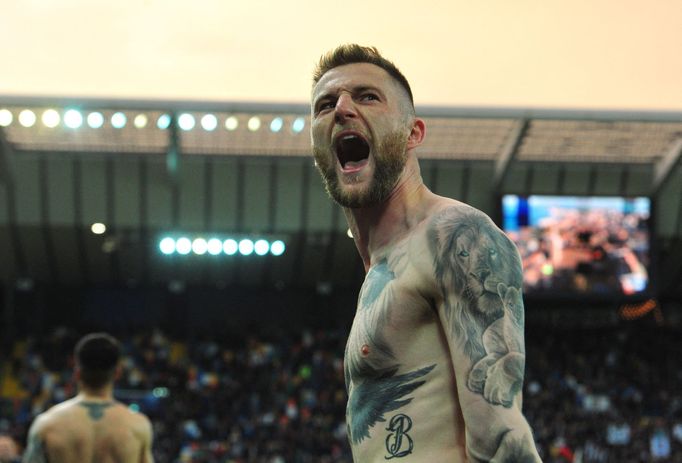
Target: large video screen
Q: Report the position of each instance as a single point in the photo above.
(580, 245)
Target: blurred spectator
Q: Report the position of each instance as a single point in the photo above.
(9, 450)
(594, 395)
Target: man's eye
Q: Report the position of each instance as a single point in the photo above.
(325, 105)
(463, 253)
(369, 96)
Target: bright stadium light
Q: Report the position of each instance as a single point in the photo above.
(276, 124)
(209, 122)
(163, 122)
(215, 246)
(245, 247)
(50, 118)
(199, 246)
(231, 123)
(254, 123)
(230, 247)
(277, 248)
(167, 245)
(261, 247)
(183, 246)
(98, 228)
(95, 120)
(73, 119)
(27, 118)
(186, 121)
(5, 117)
(119, 120)
(298, 125)
(140, 121)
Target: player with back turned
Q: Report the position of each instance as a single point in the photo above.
(91, 427)
(435, 358)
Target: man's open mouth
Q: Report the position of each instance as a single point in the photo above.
(352, 150)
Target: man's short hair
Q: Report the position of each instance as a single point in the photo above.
(97, 356)
(353, 53)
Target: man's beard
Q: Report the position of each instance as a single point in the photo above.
(389, 161)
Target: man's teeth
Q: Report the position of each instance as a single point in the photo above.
(354, 164)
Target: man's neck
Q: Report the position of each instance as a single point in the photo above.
(104, 394)
(376, 227)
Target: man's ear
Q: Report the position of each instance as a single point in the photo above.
(417, 133)
(118, 372)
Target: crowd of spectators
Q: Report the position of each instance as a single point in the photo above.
(597, 395)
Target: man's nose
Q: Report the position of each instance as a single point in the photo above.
(345, 108)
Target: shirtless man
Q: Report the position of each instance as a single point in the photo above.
(434, 362)
(91, 427)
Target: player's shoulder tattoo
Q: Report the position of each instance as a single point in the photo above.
(96, 409)
(479, 273)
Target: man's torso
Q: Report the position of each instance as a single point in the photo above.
(402, 395)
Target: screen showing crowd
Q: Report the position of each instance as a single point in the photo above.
(580, 244)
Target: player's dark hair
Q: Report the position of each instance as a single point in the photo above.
(353, 53)
(97, 356)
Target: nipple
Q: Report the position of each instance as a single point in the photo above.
(364, 350)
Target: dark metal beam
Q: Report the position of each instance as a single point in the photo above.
(6, 153)
(509, 153)
(665, 165)
(173, 152)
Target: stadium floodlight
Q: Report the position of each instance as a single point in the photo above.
(261, 247)
(95, 120)
(230, 247)
(183, 246)
(140, 121)
(98, 228)
(119, 120)
(186, 121)
(163, 122)
(298, 125)
(50, 118)
(276, 124)
(167, 245)
(73, 119)
(254, 123)
(277, 248)
(209, 122)
(5, 117)
(245, 247)
(215, 246)
(27, 118)
(199, 246)
(231, 123)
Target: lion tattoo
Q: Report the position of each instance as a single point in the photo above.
(475, 259)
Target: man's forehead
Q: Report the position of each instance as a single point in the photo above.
(352, 75)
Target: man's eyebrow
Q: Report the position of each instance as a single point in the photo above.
(355, 90)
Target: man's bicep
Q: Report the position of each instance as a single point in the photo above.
(478, 271)
(35, 447)
(148, 439)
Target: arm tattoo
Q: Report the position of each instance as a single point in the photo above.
(35, 450)
(481, 272)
